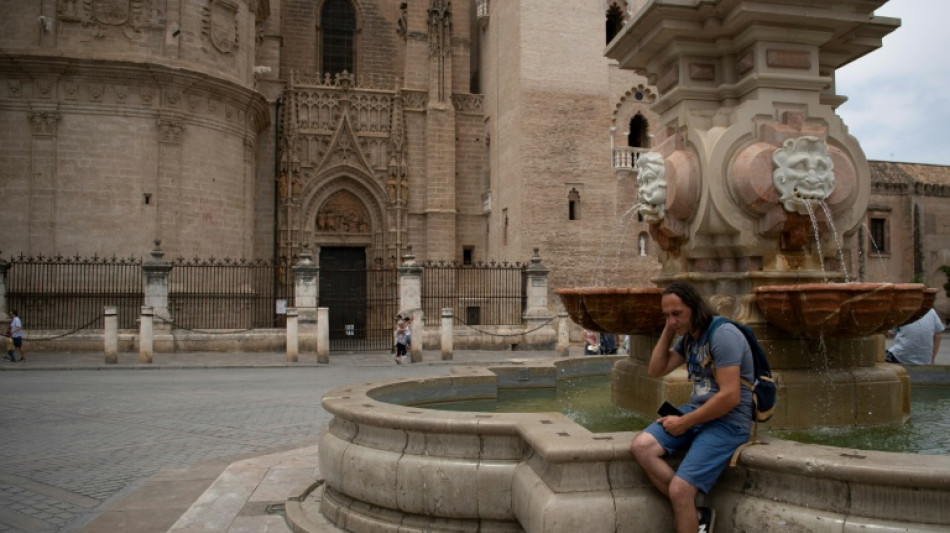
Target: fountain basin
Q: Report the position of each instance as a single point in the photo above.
(842, 310)
(392, 467)
(625, 310)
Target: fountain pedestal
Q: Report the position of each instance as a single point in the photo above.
(830, 383)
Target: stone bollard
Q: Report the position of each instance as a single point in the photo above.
(293, 341)
(146, 337)
(563, 335)
(111, 336)
(323, 335)
(448, 344)
(418, 336)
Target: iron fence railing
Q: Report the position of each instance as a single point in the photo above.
(56, 292)
(62, 293)
(491, 294)
(229, 294)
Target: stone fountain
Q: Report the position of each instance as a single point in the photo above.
(754, 190)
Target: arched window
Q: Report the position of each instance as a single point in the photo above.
(338, 37)
(573, 204)
(642, 245)
(637, 138)
(614, 21)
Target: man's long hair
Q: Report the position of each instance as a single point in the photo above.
(702, 313)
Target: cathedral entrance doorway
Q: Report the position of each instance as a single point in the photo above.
(361, 299)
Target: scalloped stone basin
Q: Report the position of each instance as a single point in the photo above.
(390, 467)
(625, 310)
(930, 296)
(844, 310)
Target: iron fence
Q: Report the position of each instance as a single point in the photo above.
(56, 292)
(491, 294)
(230, 294)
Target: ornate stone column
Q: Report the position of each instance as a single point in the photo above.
(306, 295)
(539, 333)
(410, 301)
(156, 271)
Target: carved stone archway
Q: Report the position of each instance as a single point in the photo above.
(344, 209)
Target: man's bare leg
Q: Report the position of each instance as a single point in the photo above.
(650, 456)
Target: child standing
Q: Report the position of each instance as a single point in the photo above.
(402, 338)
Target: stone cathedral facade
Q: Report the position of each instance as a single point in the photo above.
(467, 129)
(255, 128)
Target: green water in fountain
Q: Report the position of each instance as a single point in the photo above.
(586, 401)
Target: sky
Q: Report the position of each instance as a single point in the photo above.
(899, 95)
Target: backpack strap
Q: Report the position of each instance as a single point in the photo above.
(754, 435)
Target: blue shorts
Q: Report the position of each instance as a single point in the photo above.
(18, 341)
(710, 448)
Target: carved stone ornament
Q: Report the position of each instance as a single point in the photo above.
(134, 14)
(170, 131)
(44, 124)
(804, 173)
(343, 213)
(220, 25)
(651, 186)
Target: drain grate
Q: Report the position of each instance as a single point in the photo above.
(275, 508)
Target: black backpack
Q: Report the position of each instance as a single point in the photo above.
(764, 390)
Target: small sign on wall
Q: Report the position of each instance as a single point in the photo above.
(281, 306)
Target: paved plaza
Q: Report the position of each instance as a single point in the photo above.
(192, 442)
(81, 437)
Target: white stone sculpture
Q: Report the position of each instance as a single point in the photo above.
(651, 186)
(804, 173)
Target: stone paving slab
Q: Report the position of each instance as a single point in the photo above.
(107, 448)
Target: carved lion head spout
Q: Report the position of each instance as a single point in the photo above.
(651, 186)
(804, 173)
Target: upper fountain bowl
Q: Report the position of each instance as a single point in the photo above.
(623, 310)
(843, 310)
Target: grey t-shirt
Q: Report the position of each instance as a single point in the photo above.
(728, 348)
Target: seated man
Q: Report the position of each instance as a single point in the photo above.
(717, 419)
(916, 343)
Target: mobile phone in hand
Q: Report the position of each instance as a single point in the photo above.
(668, 409)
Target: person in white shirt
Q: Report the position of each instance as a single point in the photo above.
(16, 332)
(917, 343)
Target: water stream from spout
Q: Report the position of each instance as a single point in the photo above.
(814, 225)
(619, 233)
(877, 250)
(834, 232)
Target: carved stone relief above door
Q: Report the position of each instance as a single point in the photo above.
(343, 213)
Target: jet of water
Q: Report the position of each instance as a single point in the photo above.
(834, 231)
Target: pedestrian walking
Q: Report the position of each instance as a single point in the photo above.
(16, 335)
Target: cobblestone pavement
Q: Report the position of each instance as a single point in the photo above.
(77, 440)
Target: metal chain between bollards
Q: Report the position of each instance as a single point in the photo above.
(504, 334)
(82, 327)
(229, 332)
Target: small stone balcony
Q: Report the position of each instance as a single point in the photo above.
(625, 160)
(481, 12)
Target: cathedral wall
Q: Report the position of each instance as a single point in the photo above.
(471, 183)
(110, 160)
(500, 72)
(566, 96)
(416, 162)
(379, 48)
